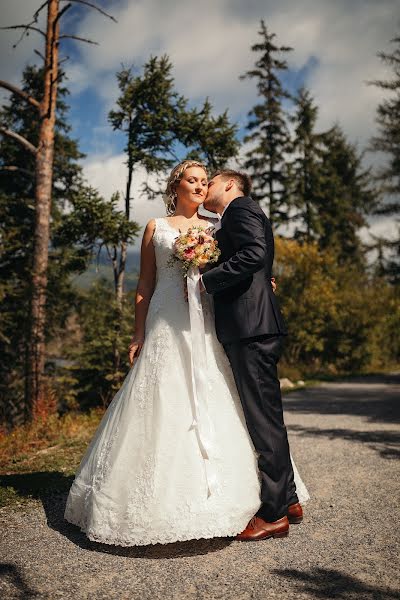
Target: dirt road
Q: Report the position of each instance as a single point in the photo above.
(344, 438)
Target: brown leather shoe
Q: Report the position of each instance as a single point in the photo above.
(258, 529)
(295, 513)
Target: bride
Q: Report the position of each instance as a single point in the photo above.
(145, 478)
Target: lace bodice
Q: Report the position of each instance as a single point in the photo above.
(169, 290)
(163, 239)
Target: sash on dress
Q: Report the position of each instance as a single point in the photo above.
(201, 418)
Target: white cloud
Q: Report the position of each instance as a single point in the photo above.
(210, 48)
(13, 60)
(108, 175)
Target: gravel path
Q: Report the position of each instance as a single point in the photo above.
(343, 437)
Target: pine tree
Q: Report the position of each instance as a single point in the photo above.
(46, 107)
(346, 198)
(17, 218)
(387, 141)
(306, 178)
(74, 234)
(159, 126)
(208, 138)
(269, 135)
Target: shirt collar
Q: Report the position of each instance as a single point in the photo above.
(222, 214)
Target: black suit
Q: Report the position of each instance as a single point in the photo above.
(250, 326)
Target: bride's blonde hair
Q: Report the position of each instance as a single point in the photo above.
(176, 175)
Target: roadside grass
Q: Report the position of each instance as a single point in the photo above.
(41, 458)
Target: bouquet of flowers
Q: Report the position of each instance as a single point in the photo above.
(195, 248)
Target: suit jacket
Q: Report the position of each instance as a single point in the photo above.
(245, 305)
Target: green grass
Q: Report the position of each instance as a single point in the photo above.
(41, 459)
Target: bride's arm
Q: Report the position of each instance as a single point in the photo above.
(144, 290)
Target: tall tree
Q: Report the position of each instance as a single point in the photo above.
(81, 222)
(269, 135)
(146, 113)
(44, 155)
(346, 197)
(387, 141)
(207, 137)
(17, 223)
(306, 181)
(159, 126)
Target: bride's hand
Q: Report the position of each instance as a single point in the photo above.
(135, 348)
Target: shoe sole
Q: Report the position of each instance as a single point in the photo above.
(295, 520)
(268, 537)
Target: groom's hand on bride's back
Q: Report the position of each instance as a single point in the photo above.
(273, 284)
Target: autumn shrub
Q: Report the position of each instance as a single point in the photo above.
(340, 319)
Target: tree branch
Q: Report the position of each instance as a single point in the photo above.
(31, 24)
(15, 168)
(80, 39)
(60, 14)
(41, 7)
(95, 8)
(25, 27)
(60, 62)
(15, 90)
(19, 138)
(39, 54)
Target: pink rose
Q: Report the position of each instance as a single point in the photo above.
(189, 254)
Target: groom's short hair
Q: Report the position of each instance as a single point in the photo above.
(242, 180)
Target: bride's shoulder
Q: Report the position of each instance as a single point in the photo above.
(150, 228)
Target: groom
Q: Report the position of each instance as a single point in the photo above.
(251, 328)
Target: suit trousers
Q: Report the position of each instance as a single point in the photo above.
(254, 365)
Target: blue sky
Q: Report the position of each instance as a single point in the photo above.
(335, 46)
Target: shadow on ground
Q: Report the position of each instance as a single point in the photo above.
(386, 443)
(54, 507)
(37, 484)
(12, 576)
(326, 583)
(367, 398)
(46, 486)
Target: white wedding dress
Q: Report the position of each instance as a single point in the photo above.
(143, 479)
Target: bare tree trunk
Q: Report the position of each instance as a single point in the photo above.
(44, 173)
(271, 190)
(119, 275)
(119, 286)
(124, 246)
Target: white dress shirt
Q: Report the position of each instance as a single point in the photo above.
(217, 227)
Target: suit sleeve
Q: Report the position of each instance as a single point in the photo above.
(246, 231)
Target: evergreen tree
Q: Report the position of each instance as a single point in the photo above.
(269, 135)
(346, 197)
(46, 105)
(208, 138)
(17, 189)
(158, 126)
(387, 141)
(71, 247)
(306, 177)
(91, 377)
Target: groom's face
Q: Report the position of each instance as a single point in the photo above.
(215, 194)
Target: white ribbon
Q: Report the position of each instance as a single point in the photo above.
(201, 419)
